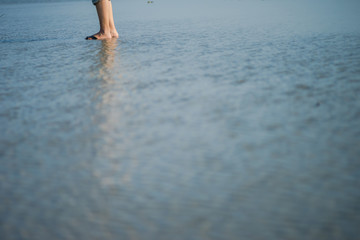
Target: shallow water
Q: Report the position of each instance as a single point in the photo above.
(237, 124)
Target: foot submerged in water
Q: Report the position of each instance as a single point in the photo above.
(114, 34)
(102, 36)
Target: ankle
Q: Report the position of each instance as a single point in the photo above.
(105, 30)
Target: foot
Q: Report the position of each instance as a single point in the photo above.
(114, 34)
(99, 36)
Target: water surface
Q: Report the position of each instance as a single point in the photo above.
(239, 123)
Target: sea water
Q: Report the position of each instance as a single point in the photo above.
(205, 120)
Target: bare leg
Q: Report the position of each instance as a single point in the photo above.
(103, 9)
(113, 31)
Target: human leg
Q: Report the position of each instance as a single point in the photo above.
(103, 8)
(113, 31)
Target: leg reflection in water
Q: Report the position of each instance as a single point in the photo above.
(105, 60)
(111, 103)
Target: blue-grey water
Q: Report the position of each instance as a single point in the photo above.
(205, 120)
